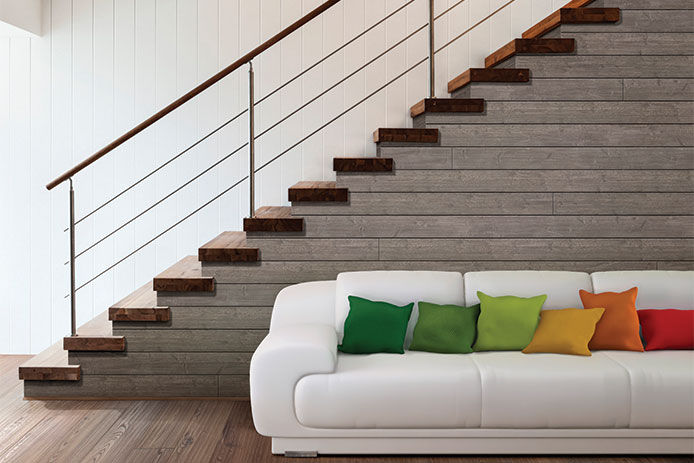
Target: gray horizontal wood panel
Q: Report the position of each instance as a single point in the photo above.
(433, 204)
(566, 135)
(228, 295)
(652, 21)
(527, 226)
(560, 66)
(301, 271)
(115, 386)
(571, 112)
(316, 249)
(659, 89)
(191, 340)
(676, 265)
(537, 249)
(204, 318)
(545, 90)
(610, 43)
(573, 158)
(522, 181)
(234, 386)
(624, 203)
(421, 157)
(644, 4)
(162, 363)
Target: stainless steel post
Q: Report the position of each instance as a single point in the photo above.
(73, 327)
(251, 140)
(432, 82)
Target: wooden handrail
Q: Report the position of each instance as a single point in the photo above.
(193, 93)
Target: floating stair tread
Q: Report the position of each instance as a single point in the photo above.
(140, 306)
(95, 335)
(406, 135)
(488, 75)
(307, 191)
(447, 105)
(228, 246)
(533, 46)
(186, 274)
(572, 16)
(50, 365)
(273, 219)
(363, 164)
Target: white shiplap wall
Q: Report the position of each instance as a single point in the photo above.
(104, 65)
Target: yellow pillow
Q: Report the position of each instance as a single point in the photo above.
(565, 331)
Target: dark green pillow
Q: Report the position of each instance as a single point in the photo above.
(447, 329)
(372, 327)
(507, 322)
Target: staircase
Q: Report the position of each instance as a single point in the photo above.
(570, 150)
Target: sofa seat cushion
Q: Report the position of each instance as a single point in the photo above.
(416, 390)
(552, 391)
(662, 387)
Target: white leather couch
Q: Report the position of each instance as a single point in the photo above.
(310, 398)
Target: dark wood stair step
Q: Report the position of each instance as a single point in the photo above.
(186, 274)
(447, 105)
(363, 164)
(273, 219)
(140, 306)
(50, 365)
(317, 192)
(532, 46)
(81, 343)
(228, 246)
(406, 135)
(488, 75)
(572, 16)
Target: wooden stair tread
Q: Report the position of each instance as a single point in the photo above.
(536, 45)
(95, 335)
(447, 105)
(363, 164)
(139, 306)
(273, 219)
(406, 135)
(308, 191)
(488, 75)
(572, 16)
(186, 274)
(50, 365)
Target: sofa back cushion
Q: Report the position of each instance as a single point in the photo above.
(658, 289)
(561, 288)
(399, 288)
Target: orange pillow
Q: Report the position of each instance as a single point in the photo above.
(618, 329)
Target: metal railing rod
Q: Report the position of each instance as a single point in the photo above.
(444, 12)
(162, 233)
(152, 206)
(73, 301)
(432, 65)
(251, 141)
(466, 31)
(332, 53)
(160, 167)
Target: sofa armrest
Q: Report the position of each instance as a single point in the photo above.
(286, 355)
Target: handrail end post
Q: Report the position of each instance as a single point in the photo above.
(432, 70)
(251, 141)
(73, 325)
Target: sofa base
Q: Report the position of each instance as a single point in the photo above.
(560, 441)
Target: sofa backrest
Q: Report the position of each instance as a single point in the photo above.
(399, 288)
(658, 289)
(561, 288)
(311, 302)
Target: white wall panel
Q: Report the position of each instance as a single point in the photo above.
(103, 66)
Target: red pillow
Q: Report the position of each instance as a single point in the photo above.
(667, 328)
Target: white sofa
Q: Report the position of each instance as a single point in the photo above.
(311, 399)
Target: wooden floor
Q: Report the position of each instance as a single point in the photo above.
(162, 431)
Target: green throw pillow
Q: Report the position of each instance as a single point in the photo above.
(372, 327)
(447, 329)
(507, 322)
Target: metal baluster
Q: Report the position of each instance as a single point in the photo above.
(251, 140)
(432, 82)
(73, 327)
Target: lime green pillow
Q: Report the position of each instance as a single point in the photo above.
(447, 329)
(373, 327)
(507, 322)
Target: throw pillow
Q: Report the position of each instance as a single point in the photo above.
(618, 329)
(667, 328)
(446, 329)
(507, 322)
(565, 331)
(372, 327)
